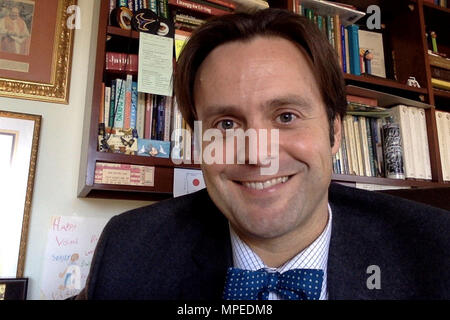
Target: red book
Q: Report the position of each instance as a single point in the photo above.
(127, 110)
(198, 7)
(225, 3)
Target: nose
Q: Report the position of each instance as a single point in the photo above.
(255, 146)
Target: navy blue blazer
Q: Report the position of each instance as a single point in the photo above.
(180, 249)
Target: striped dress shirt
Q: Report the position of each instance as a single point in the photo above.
(315, 256)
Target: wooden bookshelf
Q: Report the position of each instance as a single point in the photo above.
(405, 22)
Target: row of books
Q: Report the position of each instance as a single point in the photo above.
(362, 150)
(440, 3)
(125, 108)
(161, 7)
(150, 120)
(443, 129)
(440, 71)
(359, 51)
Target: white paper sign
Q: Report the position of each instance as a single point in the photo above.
(155, 64)
(71, 244)
(187, 181)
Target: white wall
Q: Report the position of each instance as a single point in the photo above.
(56, 180)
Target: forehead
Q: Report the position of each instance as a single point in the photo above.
(255, 69)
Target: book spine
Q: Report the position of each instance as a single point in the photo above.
(155, 100)
(148, 116)
(355, 67)
(348, 145)
(443, 139)
(120, 103)
(112, 108)
(347, 52)
(107, 105)
(416, 135)
(197, 7)
(401, 116)
(365, 146)
(212, 4)
(140, 121)
(122, 3)
(441, 74)
(101, 113)
(167, 118)
(359, 154)
(127, 107)
(425, 146)
(153, 6)
(134, 98)
(224, 3)
(370, 147)
(160, 118)
(338, 38)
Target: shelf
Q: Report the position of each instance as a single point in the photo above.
(384, 99)
(116, 31)
(388, 182)
(441, 93)
(384, 83)
(436, 7)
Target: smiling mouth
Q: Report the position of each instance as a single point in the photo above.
(260, 185)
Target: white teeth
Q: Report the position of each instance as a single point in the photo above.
(265, 184)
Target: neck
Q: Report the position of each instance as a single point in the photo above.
(275, 252)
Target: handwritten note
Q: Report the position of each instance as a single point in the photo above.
(70, 247)
(155, 64)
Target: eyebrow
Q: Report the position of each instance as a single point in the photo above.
(291, 99)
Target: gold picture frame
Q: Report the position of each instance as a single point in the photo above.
(39, 70)
(19, 141)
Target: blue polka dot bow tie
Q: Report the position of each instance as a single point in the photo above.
(296, 284)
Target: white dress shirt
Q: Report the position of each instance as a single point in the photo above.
(315, 256)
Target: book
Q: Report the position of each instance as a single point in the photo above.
(443, 130)
(101, 114)
(373, 42)
(198, 7)
(400, 115)
(134, 98)
(120, 104)
(107, 106)
(127, 106)
(148, 116)
(422, 125)
(140, 119)
(440, 84)
(353, 42)
(120, 61)
(440, 73)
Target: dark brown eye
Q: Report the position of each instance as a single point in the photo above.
(286, 117)
(226, 124)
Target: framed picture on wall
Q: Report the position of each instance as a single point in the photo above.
(36, 40)
(13, 289)
(19, 139)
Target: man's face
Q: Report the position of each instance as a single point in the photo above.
(14, 14)
(267, 83)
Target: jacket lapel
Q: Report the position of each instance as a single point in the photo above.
(211, 256)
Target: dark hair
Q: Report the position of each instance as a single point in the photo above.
(267, 22)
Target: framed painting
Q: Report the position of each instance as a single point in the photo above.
(36, 39)
(19, 138)
(13, 289)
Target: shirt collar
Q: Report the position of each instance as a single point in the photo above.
(315, 256)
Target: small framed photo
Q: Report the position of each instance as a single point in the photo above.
(13, 289)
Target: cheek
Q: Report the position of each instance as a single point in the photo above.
(310, 145)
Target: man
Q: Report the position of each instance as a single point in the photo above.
(14, 34)
(247, 233)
